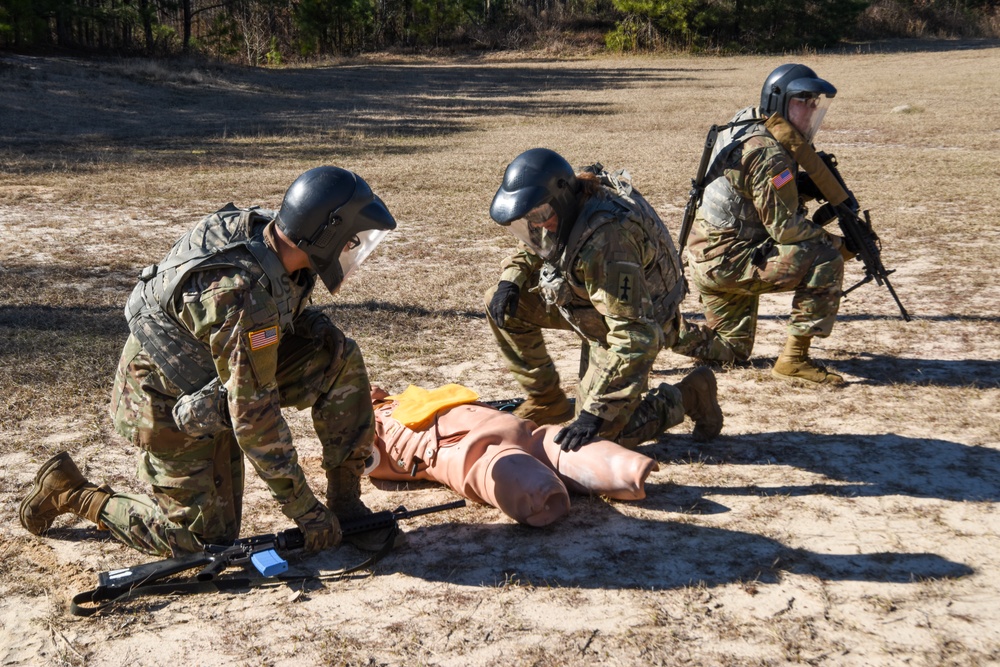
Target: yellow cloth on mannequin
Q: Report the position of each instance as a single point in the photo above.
(417, 406)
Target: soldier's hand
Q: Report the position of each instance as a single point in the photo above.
(580, 432)
(824, 215)
(315, 325)
(320, 528)
(840, 243)
(504, 302)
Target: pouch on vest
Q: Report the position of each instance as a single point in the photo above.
(205, 412)
(553, 287)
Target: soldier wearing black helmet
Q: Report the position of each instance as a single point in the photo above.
(752, 234)
(221, 340)
(595, 259)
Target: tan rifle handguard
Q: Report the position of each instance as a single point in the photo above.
(807, 158)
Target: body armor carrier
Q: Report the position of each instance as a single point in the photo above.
(230, 237)
(617, 202)
(721, 205)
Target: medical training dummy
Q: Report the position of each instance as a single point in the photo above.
(493, 457)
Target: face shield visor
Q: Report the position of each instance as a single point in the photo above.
(353, 232)
(358, 248)
(538, 230)
(806, 114)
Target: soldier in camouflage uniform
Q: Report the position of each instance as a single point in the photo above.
(221, 340)
(597, 260)
(752, 236)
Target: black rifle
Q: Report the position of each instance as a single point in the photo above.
(697, 190)
(260, 550)
(860, 238)
(504, 405)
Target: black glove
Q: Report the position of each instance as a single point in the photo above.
(824, 215)
(580, 432)
(504, 302)
(320, 528)
(804, 184)
(315, 325)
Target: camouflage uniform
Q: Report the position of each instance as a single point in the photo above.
(616, 284)
(259, 353)
(751, 237)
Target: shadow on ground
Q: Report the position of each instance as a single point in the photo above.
(602, 549)
(127, 114)
(865, 465)
(614, 551)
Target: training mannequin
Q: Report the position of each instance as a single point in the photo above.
(496, 458)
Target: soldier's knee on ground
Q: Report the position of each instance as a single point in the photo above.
(343, 497)
(551, 407)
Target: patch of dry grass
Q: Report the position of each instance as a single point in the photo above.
(850, 526)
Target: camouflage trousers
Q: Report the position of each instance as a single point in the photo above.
(642, 414)
(197, 482)
(730, 289)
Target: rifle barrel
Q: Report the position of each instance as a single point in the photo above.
(403, 513)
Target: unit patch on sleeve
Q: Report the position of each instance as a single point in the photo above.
(782, 179)
(626, 288)
(263, 338)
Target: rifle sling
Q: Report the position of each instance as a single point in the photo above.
(106, 597)
(805, 155)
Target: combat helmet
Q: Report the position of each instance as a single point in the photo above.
(537, 178)
(333, 216)
(795, 93)
(788, 81)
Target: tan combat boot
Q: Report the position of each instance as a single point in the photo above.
(343, 497)
(552, 407)
(794, 365)
(700, 395)
(61, 488)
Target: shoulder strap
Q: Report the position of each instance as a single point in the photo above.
(743, 132)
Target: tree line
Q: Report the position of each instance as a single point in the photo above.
(261, 32)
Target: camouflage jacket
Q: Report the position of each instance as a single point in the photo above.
(224, 312)
(617, 282)
(752, 200)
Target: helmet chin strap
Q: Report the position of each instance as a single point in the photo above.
(290, 255)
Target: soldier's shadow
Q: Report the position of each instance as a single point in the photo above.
(632, 553)
(858, 464)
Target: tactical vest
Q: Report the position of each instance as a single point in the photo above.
(230, 237)
(617, 202)
(721, 205)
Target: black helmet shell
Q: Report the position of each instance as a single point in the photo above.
(534, 177)
(323, 210)
(788, 81)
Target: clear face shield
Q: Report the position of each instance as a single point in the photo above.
(538, 230)
(806, 114)
(358, 248)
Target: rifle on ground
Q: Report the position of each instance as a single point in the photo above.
(260, 550)
(860, 238)
(504, 405)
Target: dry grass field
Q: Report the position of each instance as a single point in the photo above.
(851, 526)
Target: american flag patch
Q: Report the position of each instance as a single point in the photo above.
(782, 179)
(263, 338)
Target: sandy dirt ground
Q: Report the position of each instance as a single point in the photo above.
(849, 526)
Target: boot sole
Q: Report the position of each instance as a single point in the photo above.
(54, 462)
(804, 382)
